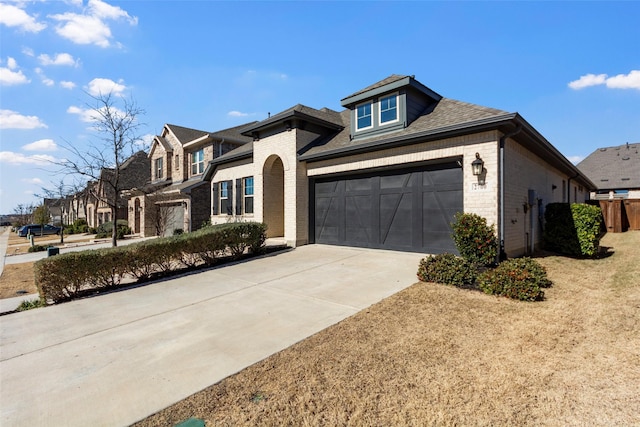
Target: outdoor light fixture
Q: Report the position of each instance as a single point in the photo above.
(477, 166)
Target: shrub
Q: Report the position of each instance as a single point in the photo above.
(520, 279)
(30, 304)
(447, 269)
(37, 248)
(68, 276)
(104, 230)
(572, 229)
(475, 240)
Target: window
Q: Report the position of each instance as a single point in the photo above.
(363, 116)
(247, 185)
(225, 203)
(388, 109)
(177, 163)
(159, 168)
(197, 162)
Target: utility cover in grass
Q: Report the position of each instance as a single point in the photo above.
(191, 422)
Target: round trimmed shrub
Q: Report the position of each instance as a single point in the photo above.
(475, 240)
(447, 269)
(104, 230)
(520, 279)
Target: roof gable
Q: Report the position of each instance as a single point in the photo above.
(389, 84)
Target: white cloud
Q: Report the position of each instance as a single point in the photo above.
(58, 59)
(34, 181)
(67, 85)
(10, 75)
(575, 159)
(90, 27)
(588, 80)
(237, 114)
(86, 115)
(41, 145)
(20, 159)
(625, 81)
(89, 115)
(106, 11)
(45, 80)
(13, 16)
(28, 51)
(13, 120)
(621, 81)
(100, 86)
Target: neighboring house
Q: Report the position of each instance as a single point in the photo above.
(56, 207)
(176, 198)
(391, 170)
(616, 174)
(133, 172)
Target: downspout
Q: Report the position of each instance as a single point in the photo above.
(502, 255)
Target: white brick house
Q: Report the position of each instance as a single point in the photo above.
(391, 170)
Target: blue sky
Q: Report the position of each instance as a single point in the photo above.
(572, 69)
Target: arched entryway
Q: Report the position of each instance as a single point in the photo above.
(136, 216)
(273, 196)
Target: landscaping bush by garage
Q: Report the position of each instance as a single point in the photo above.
(475, 239)
(67, 276)
(520, 278)
(447, 269)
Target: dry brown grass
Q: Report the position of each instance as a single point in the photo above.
(16, 278)
(436, 355)
(20, 245)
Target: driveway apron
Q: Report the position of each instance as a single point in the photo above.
(114, 359)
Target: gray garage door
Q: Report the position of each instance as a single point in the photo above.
(407, 209)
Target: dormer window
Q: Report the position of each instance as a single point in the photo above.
(364, 116)
(389, 109)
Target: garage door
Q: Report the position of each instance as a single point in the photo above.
(407, 209)
(174, 219)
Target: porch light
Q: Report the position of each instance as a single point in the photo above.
(477, 166)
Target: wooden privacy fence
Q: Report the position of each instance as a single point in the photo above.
(621, 214)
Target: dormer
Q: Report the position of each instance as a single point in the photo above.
(388, 105)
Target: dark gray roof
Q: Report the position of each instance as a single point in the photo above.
(185, 135)
(613, 168)
(391, 79)
(391, 83)
(234, 134)
(446, 114)
(325, 117)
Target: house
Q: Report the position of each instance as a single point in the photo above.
(176, 198)
(616, 174)
(390, 171)
(133, 172)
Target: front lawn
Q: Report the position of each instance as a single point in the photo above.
(438, 355)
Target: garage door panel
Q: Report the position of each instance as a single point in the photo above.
(357, 219)
(409, 209)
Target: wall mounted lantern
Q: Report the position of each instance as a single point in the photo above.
(477, 166)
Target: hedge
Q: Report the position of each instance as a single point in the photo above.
(68, 276)
(572, 229)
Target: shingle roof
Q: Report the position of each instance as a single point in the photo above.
(326, 116)
(185, 135)
(392, 78)
(446, 113)
(613, 168)
(234, 133)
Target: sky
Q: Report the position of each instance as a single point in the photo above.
(571, 69)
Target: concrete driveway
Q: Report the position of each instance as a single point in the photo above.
(114, 359)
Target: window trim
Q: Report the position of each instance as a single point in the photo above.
(371, 106)
(397, 108)
(159, 168)
(197, 167)
(245, 196)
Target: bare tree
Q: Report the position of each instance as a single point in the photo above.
(24, 213)
(102, 161)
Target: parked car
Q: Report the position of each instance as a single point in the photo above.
(37, 230)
